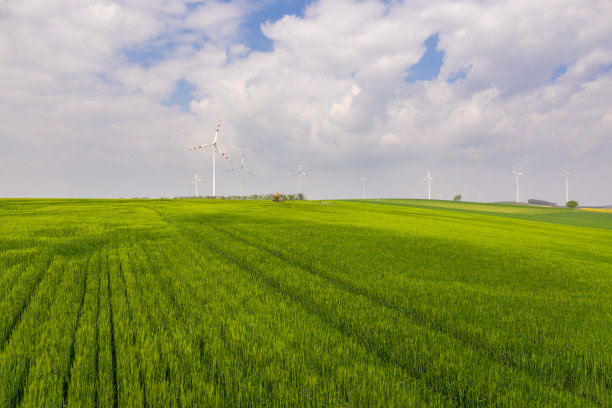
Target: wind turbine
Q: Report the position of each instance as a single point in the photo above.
(364, 185)
(243, 169)
(197, 180)
(299, 176)
(428, 179)
(566, 173)
(214, 155)
(517, 174)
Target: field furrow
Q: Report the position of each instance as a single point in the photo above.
(80, 386)
(48, 377)
(124, 350)
(19, 351)
(106, 362)
(18, 299)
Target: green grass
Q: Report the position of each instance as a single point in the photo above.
(561, 216)
(338, 303)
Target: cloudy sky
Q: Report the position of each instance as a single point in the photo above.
(103, 98)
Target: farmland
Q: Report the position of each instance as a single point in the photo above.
(341, 303)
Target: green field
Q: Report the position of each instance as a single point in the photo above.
(121, 303)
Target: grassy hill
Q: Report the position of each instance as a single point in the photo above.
(322, 303)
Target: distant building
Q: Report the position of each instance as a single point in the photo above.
(533, 201)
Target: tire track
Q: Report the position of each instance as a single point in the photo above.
(71, 354)
(26, 303)
(112, 341)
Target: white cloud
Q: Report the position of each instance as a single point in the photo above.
(389, 139)
(331, 91)
(218, 20)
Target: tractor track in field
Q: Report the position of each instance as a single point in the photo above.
(19, 394)
(141, 376)
(8, 283)
(17, 317)
(66, 384)
(112, 340)
(97, 339)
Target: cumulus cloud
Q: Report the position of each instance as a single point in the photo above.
(83, 85)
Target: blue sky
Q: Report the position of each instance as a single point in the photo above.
(428, 67)
(104, 100)
(264, 11)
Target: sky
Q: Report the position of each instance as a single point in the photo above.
(102, 99)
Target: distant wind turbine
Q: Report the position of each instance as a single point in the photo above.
(566, 173)
(214, 155)
(299, 176)
(517, 174)
(428, 179)
(242, 168)
(364, 186)
(197, 180)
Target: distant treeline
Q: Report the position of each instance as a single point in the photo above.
(283, 197)
(541, 202)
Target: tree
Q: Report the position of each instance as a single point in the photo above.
(457, 197)
(571, 204)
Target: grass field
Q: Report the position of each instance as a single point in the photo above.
(341, 303)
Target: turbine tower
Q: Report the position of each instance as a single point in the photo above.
(364, 185)
(197, 180)
(214, 155)
(517, 174)
(566, 173)
(428, 179)
(242, 168)
(299, 176)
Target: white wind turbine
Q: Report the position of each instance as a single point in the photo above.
(214, 155)
(517, 174)
(299, 176)
(195, 181)
(242, 168)
(428, 179)
(364, 179)
(566, 173)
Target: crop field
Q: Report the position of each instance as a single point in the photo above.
(196, 303)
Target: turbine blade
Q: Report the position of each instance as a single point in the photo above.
(201, 146)
(221, 152)
(217, 132)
